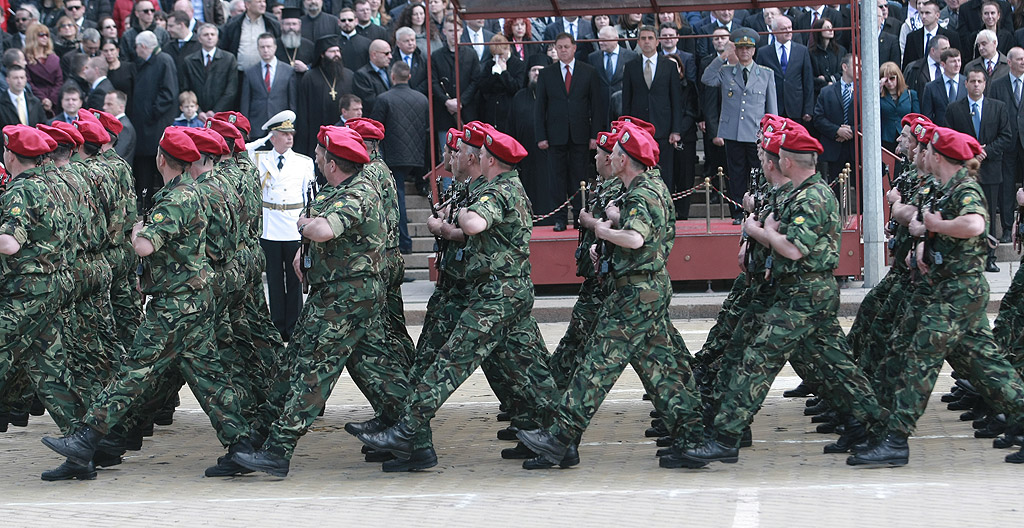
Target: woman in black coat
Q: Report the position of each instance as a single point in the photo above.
(499, 79)
(826, 55)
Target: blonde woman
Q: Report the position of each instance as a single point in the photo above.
(896, 101)
(43, 67)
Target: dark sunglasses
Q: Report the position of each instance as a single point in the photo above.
(77, 7)
(147, 11)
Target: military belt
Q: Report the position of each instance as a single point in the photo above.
(283, 207)
(635, 278)
(810, 275)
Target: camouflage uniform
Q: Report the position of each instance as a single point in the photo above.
(801, 319)
(178, 327)
(633, 326)
(948, 322)
(496, 325)
(592, 294)
(343, 311)
(34, 284)
(125, 301)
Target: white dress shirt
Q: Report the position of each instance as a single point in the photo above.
(284, 187)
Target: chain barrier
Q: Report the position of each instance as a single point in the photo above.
(677, 196)
(538, 218)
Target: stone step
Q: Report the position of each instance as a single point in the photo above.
(423, 245)
(417, 260)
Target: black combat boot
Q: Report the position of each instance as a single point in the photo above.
(519, 452)
(673, 458)
(802, 390)
(891, 451)
(508, 434)
(396, 439)
(36, 409)
(1016, 458)
(70, 471)
(420, 459)
(18, 419)
(226, 465)
(855, 433)
(722, 449)
(373, 455)
(570, 459)
(269, 460)
(374, 425)
(544, 444)
(78, 447)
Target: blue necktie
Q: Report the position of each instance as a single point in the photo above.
(952, 91)
(384, 77)
(408, 60)
(785, 60)
(976, 113)
(608, 68)
(847, 99)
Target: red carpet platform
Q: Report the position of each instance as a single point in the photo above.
(697, 255)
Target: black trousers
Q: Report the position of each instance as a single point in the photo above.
(686, 167)
(570, 164)
(147, 180)
(741, 157)
(666, 163)
(1013, 164)
(283, 284)
(992, 201)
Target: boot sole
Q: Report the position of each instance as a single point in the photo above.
(894, 462)
(724, 460)
(87, 476)
(408, 466)
(673, 462)
(274, 472)
(553, 458)
(59, 449)
(403, 455)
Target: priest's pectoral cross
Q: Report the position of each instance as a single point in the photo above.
(333, 93)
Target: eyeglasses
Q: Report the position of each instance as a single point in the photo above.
(41, 35)
(347, 19)
(74, 8)
(147, 11)
(64, 25)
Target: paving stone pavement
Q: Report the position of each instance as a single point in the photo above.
(783, 480)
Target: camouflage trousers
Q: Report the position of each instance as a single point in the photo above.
(725, 324)
(633, 328)
(337, 319)
(96, 350)
(884, 364)
(756, 301)
(948, 323)
(125, 299)
(872, 320)
(177, 331)
(31, 328)
(496, 330)
(1008, 328)
(566, 356)
(394, 322)
(801, 320)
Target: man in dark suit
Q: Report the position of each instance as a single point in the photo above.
(373, 79)
(833, 119)
(652, 91)
(928, 68)
(715, 20)
(95, 73)
(610, 54)
(355, 48)
(937, 93)
(32, 114)
(183, 40)
(474, 31)
(114, 104)
(888, 42)
(210, 73)
(794, 80)
(267, 87)
(1008, 89)
(710, 108)
(408, 52)
(154, 103)
(760, 22)
(446, 100)
(987, 120)
(971, 22)
(364, 26)
(918, 41)
(568, 98)
(578, 28)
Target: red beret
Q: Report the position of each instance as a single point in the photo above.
(177, 143)
(768, 117)
(208, 141)
(606, 141)
(109, 122)
(639, 145)
(504, 147)
(367, 128)
(771, 141)
(636, 121)
(473, 133)
(62, 132)
(321, 136)
(797, 139)
(452, 139)
(345, 143)
(773, 123)
(236, 119)
(953, 144)
(92, 131)
(27, 141)
(922, 131)
(230, 134)
(910, 119)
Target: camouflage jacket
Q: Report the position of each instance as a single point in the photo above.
(809, 218)
(352, 209)
(177, 229)
(606, 191)
(647, 209)
(961, 195)
(757, 257)
(30, 213)
(503, 249)
(380, 173)
(222, 204)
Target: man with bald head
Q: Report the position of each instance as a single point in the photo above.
(610, 61)
(372, 80)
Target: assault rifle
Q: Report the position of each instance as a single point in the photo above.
(307, 259)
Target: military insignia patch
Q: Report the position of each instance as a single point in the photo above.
(625, 137)
(159, 217)
(468, 134)
(632, 211)
(926, 190)
(6, 139)
(449, 137)
(338, 204)
(604, 139)
(799, 220)
(319, 198)
(485, 198)
(967, 200)
(935, 137)
(232, 119)
(489, 139)
(15, 211)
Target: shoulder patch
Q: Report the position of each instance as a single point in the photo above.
(338, 204)
(485, 198)
(159, 217)
(799, 220)
(967, 200)
(15, 211)
(319, 198)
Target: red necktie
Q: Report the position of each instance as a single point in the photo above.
(990, 67)
(266, 78)
(568, 79)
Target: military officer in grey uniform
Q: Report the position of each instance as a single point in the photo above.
(748, 92)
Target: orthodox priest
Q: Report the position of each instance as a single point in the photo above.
(320, 91)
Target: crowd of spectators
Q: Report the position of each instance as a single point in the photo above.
(158, 62)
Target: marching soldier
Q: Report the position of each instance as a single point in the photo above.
(748, 93)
